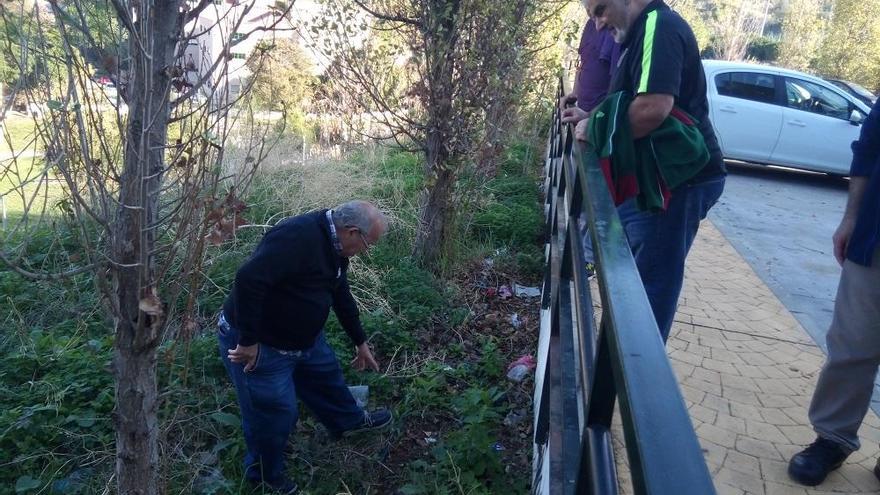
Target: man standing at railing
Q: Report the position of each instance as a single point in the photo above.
(598, 52)
(843, 393)
(660, 67)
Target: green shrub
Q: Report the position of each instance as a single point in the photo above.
(510, 223)
(413, 293)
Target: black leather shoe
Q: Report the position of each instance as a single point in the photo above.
(811, 466)
(375, 420)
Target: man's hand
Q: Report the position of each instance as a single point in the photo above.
(580, 131)
(566, 100)
(364, 359)
(841, 238)
(573, 115)
(245, 354)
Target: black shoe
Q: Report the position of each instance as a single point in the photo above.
(283, 487)
(376, 420)
(877, 469)
(812, 465)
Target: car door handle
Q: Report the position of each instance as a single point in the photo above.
(728, 109)
(797, 123)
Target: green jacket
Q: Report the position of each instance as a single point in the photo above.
(650, 168)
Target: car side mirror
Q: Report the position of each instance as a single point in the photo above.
(856, 117)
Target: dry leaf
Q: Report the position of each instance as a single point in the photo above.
(151, 304)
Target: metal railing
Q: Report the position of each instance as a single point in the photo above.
(583, 370)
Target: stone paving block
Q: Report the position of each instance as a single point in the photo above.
(772, 488)
(750, 371)
(709, 376)
(725, 489)
(701, 413)
(745, 411)
(682, 369)
(726, 356)
(686, 357)
(713, 452)
(757, 448)
(740, 395)
(788, 450)
(836, 482)
(798, 435)
(757, 359)
(720, 366)
(731, 423)
(777, 417)
(779, 401)
(717, 435)
(716, 403)
(861, 478)
(691, 395)
(773, 470)
(708, 387)
(869, 433)
(699, 350)
(797, 414)
(765, 431)
(774, 386)
(746, 482)
(740, 382)
(743, 463)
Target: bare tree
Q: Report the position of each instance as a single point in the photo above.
(440, 76)
(137, 179)
(736, 24)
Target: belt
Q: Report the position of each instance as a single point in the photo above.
(221, 322)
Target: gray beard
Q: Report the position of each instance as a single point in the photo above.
(619, 35)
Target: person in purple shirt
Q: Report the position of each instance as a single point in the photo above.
(598, 58)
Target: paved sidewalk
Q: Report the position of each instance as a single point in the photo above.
(747, 370)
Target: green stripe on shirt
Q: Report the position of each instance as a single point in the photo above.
(647, 51)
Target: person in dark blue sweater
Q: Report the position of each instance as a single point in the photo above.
(272, 340)
(843, 392)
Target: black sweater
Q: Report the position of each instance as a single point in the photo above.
(282, 295)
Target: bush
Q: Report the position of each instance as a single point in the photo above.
(763, 49)
(413, 293)
(509, 222)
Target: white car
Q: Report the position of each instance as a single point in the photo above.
(782, 117)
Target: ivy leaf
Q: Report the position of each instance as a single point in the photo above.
(226, 419)
(26, 483)
(54, 105)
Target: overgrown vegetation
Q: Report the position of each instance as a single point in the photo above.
(461, 426)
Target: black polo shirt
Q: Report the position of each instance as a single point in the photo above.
(660, 55)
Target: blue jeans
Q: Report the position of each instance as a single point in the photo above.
(660, 243)
(267, 398)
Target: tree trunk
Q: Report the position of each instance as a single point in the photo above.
(434, 205)
(139, 312)
(440, 44)
(137, 429)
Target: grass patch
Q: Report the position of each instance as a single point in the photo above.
(443, 345)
